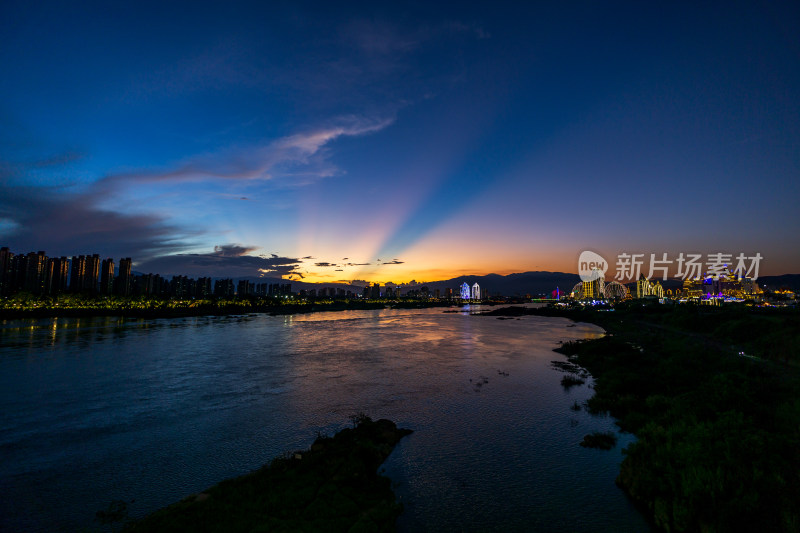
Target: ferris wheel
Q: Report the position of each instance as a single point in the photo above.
(615, 291)
(577, 290)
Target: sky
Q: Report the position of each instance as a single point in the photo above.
(378, 141)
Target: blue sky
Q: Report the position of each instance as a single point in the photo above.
(415, 140)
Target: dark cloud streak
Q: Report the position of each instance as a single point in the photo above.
(229, 260)
(72, 224)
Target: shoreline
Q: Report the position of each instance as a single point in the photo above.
(214, 310)
(717, 429)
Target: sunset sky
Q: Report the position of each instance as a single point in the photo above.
(397, 141)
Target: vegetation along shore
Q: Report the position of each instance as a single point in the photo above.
(713, 397)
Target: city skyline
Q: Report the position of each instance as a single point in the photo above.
(388, 143)
(38, 275)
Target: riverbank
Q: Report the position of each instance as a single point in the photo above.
(717, 427)
(179, 309)
(333, 486)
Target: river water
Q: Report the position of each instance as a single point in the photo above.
(150, 411)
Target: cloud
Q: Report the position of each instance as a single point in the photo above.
(393, 262)
(228, 260)
(72, 224)
(234, 250)
(61, 220)
(325, 264)
(60, 223)
(299, 158)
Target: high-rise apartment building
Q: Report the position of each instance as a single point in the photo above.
(77, 273)
(59, 275)
(123, 280)
(33, 275)
(92, 273)
(107, 276)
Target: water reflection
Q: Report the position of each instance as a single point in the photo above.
(153, 410)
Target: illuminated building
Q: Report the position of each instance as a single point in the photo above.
(34, 272)
(644, 288)
(589, 290)
(657, 289)
(476, 291)
(592, 289)
(284, 289)
(107, 276)
(92, 273)
(59, 275)
(77, 273)
(724, 286)
(464, 291)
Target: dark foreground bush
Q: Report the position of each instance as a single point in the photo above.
(334, 486)
(602, 441)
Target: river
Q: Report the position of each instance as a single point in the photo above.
(150, 411)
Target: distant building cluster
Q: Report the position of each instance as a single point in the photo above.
(223, 288)
(723, 287)
(376, 291)
(597, 289)
(709, 288)
(471, 293)
(37, 274)
(40, 275)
